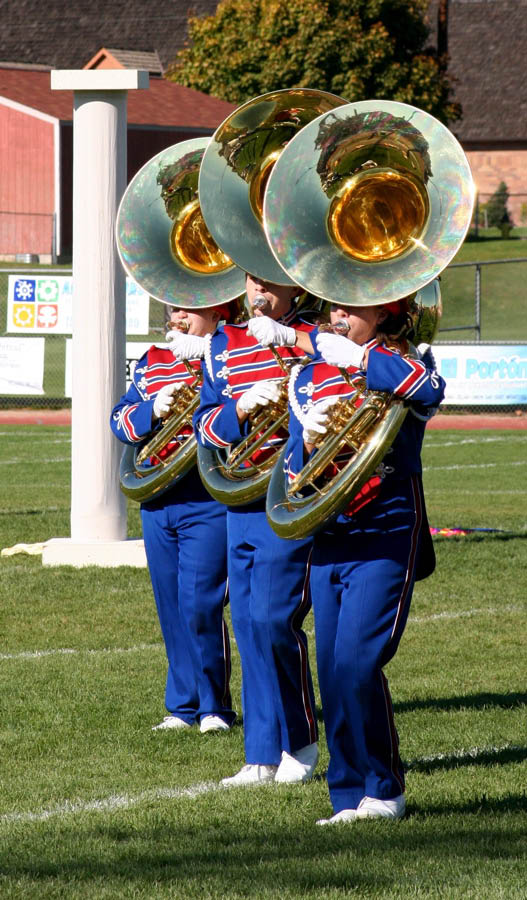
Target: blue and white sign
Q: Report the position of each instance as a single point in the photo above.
(483, 374)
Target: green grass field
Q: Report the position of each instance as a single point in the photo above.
(503, 300)
(96, 805)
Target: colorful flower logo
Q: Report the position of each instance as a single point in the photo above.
(47, 290)
(46, 316)
(23, 316)
(25, 289)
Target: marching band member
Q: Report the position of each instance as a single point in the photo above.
(177, 526)
(267, 575)
(364, 562)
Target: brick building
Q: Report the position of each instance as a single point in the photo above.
(486, 42)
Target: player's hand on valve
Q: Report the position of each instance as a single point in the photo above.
(165, 398)
(260, 394)
(339, 351)
(267, 331)
(186, 346)
(315, 420)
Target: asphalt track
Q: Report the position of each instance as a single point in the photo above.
(514, 422)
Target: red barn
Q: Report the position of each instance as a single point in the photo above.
(36, 141)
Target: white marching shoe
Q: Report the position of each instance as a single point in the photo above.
(299, 766)
(345, 815)
(251, 774)
(371, 808)
(213, 723)
(171, 722)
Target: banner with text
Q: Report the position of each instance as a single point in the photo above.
(21, 365)
(483, 374)
(44, 305)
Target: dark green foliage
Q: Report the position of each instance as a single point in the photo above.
(497, 212)
(358, 49)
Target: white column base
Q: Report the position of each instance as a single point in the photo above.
(108, 554)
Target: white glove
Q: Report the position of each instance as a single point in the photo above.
(339, 351)
(267, 331)
(186, 346)
(315, 420)
(164, 399)
(425, 353)
(260, 394)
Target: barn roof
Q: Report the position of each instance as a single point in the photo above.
(65, 34)
(165, 104)
(126, 59)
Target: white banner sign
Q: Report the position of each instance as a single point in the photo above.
(44, 305)
(21, 365)
(134, 352)
(483, 374)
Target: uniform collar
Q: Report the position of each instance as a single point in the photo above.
(289, 316)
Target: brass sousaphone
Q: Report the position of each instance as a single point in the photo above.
(379, 197)
(233, 176)
(165, 246)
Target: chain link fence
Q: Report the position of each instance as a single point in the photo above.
(484, 306)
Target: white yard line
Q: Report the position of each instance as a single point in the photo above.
(467, 613)
(504, 465)
(66, 651)
(419, 620)
(125, 801)
(433, 442)
(15, 462)
(430, 489)
(111, 803)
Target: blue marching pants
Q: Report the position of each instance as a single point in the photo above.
(269, 597)
(186, 548)
(362, 583)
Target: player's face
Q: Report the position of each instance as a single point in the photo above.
(277, 297)
(362, 321)
(192, 321)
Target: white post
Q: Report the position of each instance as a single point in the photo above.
(98, 508)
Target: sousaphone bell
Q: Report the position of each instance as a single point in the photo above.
(233, 176)
(379, 197)
(165, 247)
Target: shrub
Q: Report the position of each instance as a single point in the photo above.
(497, 212)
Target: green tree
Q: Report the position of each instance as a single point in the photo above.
(358, 49)
(497, 211)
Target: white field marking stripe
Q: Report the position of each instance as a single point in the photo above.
(66, 651)
(41, 509)
(125, 801)
(487, 440)
(112, 803)
(504, 465)
(461, 614)
(430, 489)
(35, 435)
(470, 753)
(16, 462)
(466, 614)
(49, 441)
